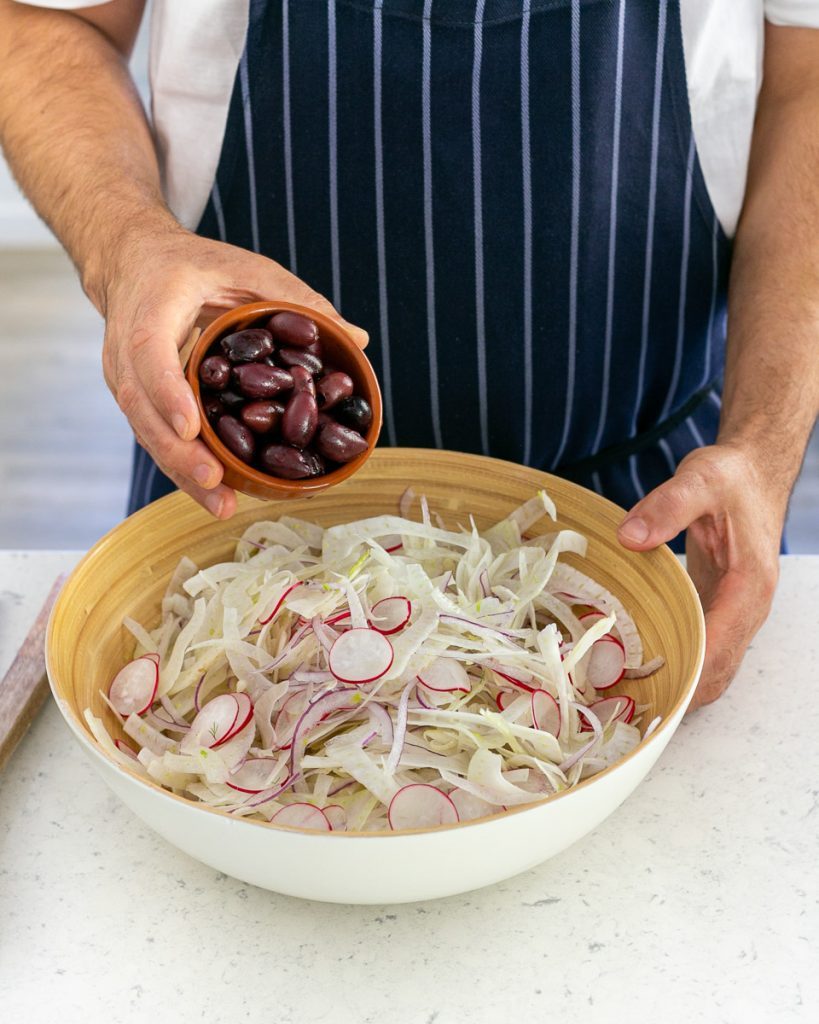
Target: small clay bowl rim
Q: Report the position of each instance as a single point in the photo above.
(366, 384)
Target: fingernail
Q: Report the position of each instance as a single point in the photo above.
(214, 503)
(635, 530)
(180, 425)
(203, 474)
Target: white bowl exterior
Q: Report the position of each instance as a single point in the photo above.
(382, 868)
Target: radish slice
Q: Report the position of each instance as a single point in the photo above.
(610, 709)
(254, 775)
(391, 614)
(125, 749)
(607, 662)
(545, 712)
(134, 687)
(421, 806)
(392, 542)
(589, 618)
(470, 807)
(342, 617)
(445, 675)
(504, 698)
(279, 603)
(302, 816)
(337, 817)
(360, 656)
(218, 721)
(515, 680)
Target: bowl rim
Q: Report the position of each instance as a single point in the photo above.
(290, 488)
(669, 721)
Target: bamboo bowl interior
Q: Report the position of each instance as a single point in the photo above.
(126, 573)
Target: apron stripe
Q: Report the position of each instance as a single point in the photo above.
(333, 147)
(251, 166)
(692, 426)
(652, 202)
(575, 228)
(429, 252)
(638, 487)
(526, 170)
(219, 212)
(686, 245)
(480, 326)
(615, 180)
(149, 481)
(706, 370)
(665, 448)
(288, 138)
(715, 398)
(383, 314)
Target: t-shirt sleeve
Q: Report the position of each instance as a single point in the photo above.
(799, 13)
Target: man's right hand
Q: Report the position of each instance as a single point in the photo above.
(155, 289)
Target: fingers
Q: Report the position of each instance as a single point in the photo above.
(272, 281)
(733, 617)
(220, 501)
(187, 461)
(666, 511)
(153, 353)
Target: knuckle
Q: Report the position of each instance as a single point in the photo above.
(127, 394)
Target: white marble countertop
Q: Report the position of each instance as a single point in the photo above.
(698, 900)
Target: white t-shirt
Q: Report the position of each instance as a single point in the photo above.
(722, 39)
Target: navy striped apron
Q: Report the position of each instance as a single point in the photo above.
(507, 196)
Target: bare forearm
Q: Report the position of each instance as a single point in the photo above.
(771, 397)
(75, 134)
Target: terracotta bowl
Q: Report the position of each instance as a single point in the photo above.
(128, 570)
(341, 352)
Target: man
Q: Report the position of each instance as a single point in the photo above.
(527, 205)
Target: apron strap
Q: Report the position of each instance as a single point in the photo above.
(618, 452)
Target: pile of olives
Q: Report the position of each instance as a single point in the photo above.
(276, 405)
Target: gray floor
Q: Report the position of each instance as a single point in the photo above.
(64, 447)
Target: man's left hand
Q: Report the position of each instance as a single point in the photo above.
(734, 517)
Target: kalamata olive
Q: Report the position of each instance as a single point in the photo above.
(302, 380)
(332, 388)
(214, 372)
(213, 406)
(247, 346)
(315, 349)
(323, 419)
(232, 400)
(339, 443)
(293, 329)
(354, 412)
(236, 437)
(256, 380)
(262, 417)
(300, 419)
(290, 463)
(300, 357)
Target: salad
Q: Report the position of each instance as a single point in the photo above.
(381, 674)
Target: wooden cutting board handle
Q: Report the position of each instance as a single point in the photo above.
(25, 685)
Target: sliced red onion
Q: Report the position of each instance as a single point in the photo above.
(310, 718)
(279, 603)
(197, 706)
(325, 634)
(474, 624)
(380, 718)
(405, 502)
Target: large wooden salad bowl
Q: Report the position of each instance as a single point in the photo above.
(126, 574)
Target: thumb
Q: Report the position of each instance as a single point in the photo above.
(271, 281)
(665, 512)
